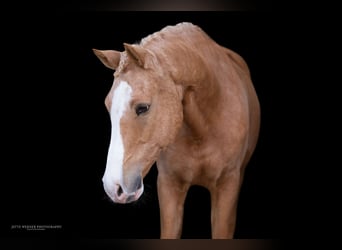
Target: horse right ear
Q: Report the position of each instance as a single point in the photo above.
(110, 58)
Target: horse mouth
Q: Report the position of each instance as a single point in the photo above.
(124, 198)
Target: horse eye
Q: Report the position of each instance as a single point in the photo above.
(142, 108)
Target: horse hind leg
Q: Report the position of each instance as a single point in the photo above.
(224, 198)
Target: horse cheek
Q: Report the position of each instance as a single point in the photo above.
(174, 123)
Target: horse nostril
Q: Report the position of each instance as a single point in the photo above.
(130, 198)
(139, 184)
(136, 184)
(119, 191)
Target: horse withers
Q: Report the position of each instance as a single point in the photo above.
(183, 101)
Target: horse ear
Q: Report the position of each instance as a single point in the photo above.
(137, 53)
(110, 58)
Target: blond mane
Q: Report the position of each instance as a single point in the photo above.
(169, 32)
(177, 30)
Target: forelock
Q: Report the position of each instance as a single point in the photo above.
(122, 64)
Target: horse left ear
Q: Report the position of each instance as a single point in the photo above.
(110, 58)
(138, 54)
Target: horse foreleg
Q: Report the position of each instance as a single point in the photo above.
(224, 199)
(171, 202)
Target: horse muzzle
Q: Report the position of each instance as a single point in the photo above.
(121, 193)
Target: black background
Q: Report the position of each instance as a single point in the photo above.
(57, 129)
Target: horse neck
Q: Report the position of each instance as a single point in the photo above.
(201, 95)
(190, 67)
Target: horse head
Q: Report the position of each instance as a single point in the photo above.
(145, 109)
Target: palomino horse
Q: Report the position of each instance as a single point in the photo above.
(181, 100)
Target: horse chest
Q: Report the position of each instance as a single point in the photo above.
(195, 163)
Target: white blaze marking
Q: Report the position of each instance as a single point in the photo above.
(113, 172)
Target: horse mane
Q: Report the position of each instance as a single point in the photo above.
(169, 32)
(175, 30)
(123, 63)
